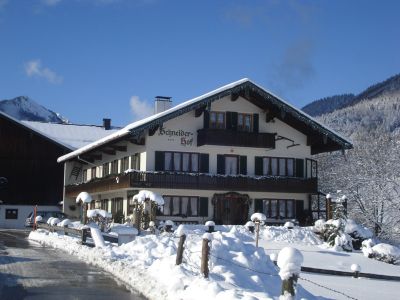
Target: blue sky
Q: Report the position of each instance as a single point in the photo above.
(89, 59)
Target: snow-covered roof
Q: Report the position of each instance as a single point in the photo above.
(160, 118)
(70, 135)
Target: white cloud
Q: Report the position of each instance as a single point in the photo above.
(140, 109)
(34, 68)
(51, 2)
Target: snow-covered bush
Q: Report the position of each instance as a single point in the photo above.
(333, 234)
(357, 232)
(382, 252)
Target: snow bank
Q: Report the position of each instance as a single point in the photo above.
(97, 237)
(300, 235)
(237, 270)
(124, 229)
(144, 194)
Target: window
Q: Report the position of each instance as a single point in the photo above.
(278, 166)
(125, 163)
(106, 170)
(93, 173)
(231, 165)
(185, 206)
(244, 122)
(84, 175)
(311, 168)
(181, 162)
(116, 206)
(217, 120)
(135, 161)
(114, 167)
(279, 209)
(12, 214)
(104, 204)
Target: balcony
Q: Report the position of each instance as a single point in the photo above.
(235, 138)
(165, 180)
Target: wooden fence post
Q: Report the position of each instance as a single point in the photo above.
(179, 254)
(84, 235)
(65, 232)
(289, 285)
(257, 232)
(205, 249)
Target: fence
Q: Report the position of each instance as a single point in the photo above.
(83, 233)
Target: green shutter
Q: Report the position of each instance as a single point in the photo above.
(159, 161)
(228, 115)
(258, 205)
(255, 122)
(206, 119)
(204, 163)
(299, 209)
(258, 166)
(220, 164)
(234, 120)
(203, 207)
(299, 167)
(243, 165)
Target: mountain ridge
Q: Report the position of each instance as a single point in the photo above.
(24, 108)
(330, 104)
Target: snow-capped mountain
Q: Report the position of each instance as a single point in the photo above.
(329, 104)
(24, 108)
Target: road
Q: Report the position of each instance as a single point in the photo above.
(31, 271)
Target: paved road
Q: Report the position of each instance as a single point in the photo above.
(31, 271)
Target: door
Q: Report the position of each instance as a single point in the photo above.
(231, 209)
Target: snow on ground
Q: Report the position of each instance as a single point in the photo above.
(237, 269)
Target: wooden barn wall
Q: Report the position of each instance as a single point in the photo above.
(29, 162)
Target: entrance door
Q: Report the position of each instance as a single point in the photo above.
(231, 209)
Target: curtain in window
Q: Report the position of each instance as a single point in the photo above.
(274, 208)
(175, 206)
(282, 209)
(195, 162)
(220, 120)
(185, 162)
(308, 168)
(290, 167)
(184, 203)
(290, 209)
(166, 208)
(274, 166)
(266, 208)
(247, 124)
(193, 206)
(282, 167)
(266, 166)
(230, 165)
(168, 161)
(177, 161)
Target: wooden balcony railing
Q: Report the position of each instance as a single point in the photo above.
(166, 180)
(235, 138)
(224, 183)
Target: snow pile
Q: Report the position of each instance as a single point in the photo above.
(289, 262)
(124, 229)
(84, 197)
(300, 235)
(382, 252)
(144, 194)
(237, 270)
(54, 221)
(319, 226)
(92, 213)
(65, 222)
(39, 219)
(258, 217)
(97, 237)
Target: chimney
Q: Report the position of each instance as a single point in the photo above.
(162, 103)
(107, 124)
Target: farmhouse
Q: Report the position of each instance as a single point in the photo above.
(220, 156)
(29, 172)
